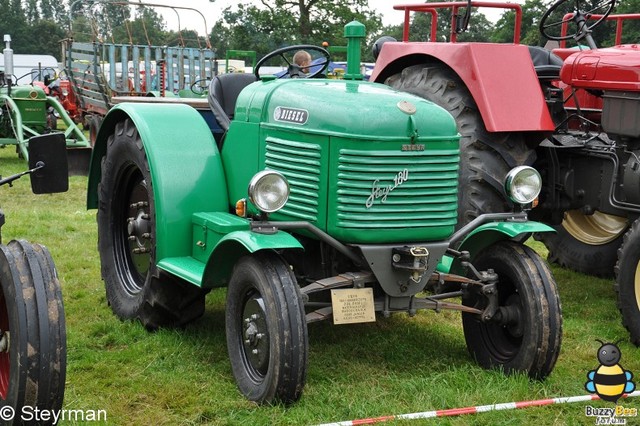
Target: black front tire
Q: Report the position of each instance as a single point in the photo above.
(485, 157)
(266, 330)
(33, 367)
(529, 341)
(627, 285)
(135, 286)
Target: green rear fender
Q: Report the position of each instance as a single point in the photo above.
(488, 234)
(184, 163)
(236, 244)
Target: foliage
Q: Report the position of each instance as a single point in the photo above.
(478, 30)
(36, 26)
(287, 22)
(532, 11)
(631, 29)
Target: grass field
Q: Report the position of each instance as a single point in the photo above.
(396, 365)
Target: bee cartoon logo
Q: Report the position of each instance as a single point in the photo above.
(609, 381)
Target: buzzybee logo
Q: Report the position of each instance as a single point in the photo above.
(609, 380)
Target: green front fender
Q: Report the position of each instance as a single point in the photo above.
(236, 244)
(185, 166)
(485, 235)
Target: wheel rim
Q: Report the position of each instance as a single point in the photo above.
(254, 336)
(132, 235)
(636, 285)
(5, 364)
(596, 229)
(504, 338)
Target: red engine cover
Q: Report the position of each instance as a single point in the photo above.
(613, 68)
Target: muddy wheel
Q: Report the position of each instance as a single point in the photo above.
(94, 125)
(485, 158)
(33, 350)
(627, 285)
(266, 330)
(525, 335)
(586, 243)
(135, 287)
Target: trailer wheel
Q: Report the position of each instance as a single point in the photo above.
(586, 243)
(94, 125)
(33, 350)
(52, 121)
(485, 158)
(266, 330)
(526, 333)
(135, 286)
(627, 285)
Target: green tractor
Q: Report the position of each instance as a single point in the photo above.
(26, 111)
(311, 199)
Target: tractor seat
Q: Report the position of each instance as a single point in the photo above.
(223, 94)
(546, 63)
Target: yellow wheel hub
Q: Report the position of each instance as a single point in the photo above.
(636, 285)
(596, 229)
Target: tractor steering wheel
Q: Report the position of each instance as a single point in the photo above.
(197, 88)
(293, 70)
(561, 8)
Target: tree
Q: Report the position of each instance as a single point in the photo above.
(146, 29)
(479, 28)
(532, 11)
(32, 13)
(276, 23)
(630, 28)
(13, 22)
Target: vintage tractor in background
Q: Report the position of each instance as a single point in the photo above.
(101, 74)
(571, 113)
(318, 199)
(33, 339)
(27, 111)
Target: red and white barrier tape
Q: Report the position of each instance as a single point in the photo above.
(475, 410)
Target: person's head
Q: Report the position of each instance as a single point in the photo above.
(302, 58)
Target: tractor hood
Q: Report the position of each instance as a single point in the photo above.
(345, 108)
(28, 93)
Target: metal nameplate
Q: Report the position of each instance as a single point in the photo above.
(291, 115)
(353, 305)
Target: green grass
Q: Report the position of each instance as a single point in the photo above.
(397, 365)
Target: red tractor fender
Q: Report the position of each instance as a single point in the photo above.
(613, 68)
(500, 77)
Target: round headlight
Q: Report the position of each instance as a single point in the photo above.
(268, 191)
(523, 184)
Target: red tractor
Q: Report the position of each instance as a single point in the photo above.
(573, 113)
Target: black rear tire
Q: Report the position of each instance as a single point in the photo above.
(530, 341)
(135, 286)
(597, 258)
(266, 330)
(485, 158)
(33, 368)
(627, 285)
